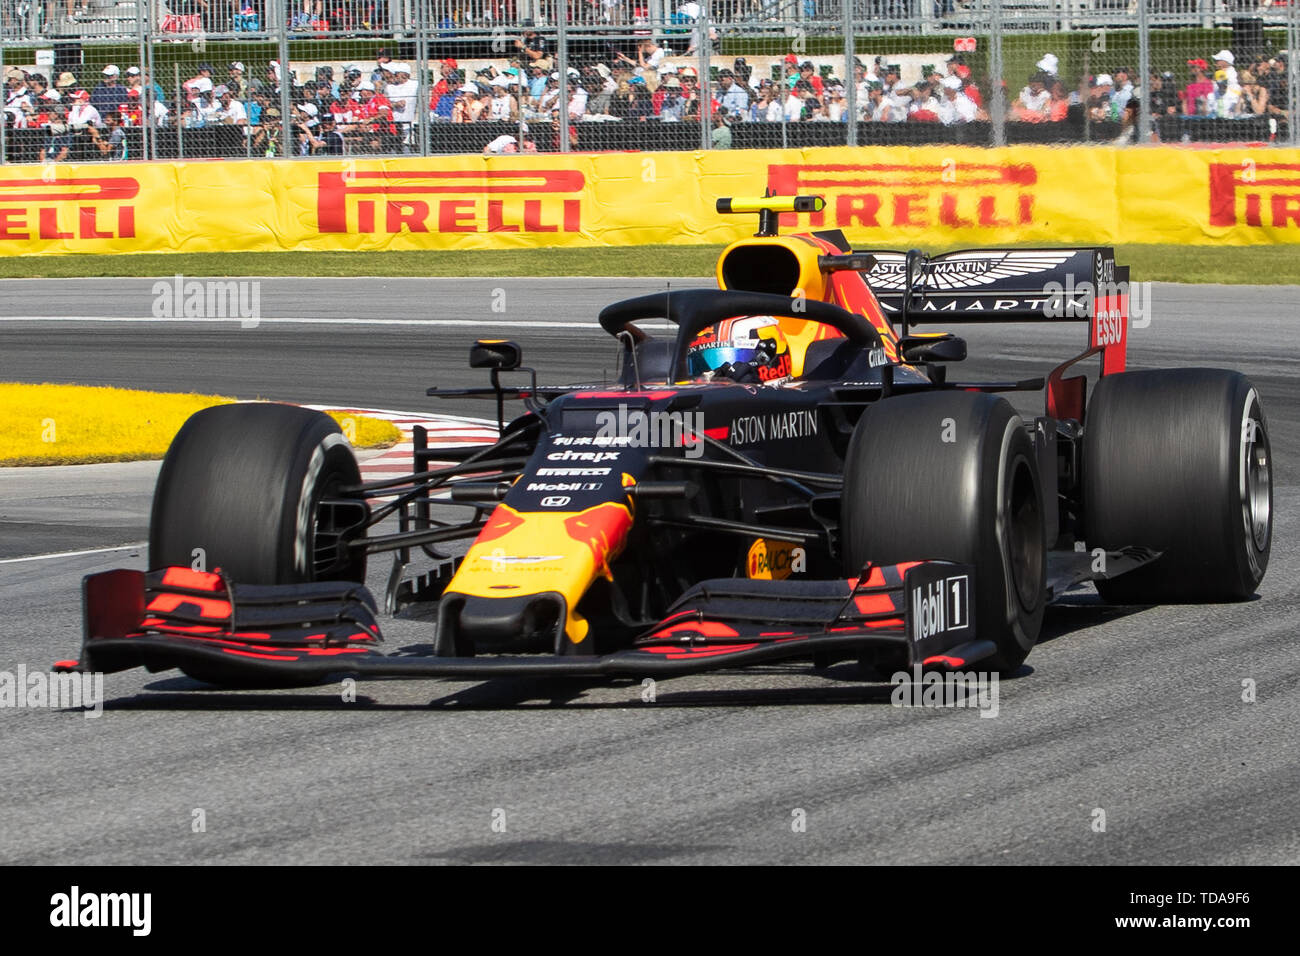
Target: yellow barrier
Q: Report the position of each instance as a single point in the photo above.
(899, 197)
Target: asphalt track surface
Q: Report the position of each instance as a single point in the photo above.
(1137, 712)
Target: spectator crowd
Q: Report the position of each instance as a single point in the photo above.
(378, 107)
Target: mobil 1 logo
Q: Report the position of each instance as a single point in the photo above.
(939, 614)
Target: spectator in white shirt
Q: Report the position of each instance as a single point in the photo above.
(196, 83)
(202, 108)
(956, 106)
(732, 97)
(402, 94)
(1224, 60)
(17, 97)
(649, 55)
(1034, 102)
(577, 100)
(1123, 90)
(230, 111)
(836, 106)
(82, 114)
(794, 101)
(924, 104)
(503, 108)
(880, 108)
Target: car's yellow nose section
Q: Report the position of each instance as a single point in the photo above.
(522, 553)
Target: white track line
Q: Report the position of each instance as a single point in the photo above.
(486, 322)
(74, 554)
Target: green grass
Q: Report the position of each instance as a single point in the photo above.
(1263, 265)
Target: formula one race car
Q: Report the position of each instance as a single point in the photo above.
(791, 476)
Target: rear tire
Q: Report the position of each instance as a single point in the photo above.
(239, 490)
(1172, 462)
(953, 475)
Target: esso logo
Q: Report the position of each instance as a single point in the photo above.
(555, 501)
(1110, 326)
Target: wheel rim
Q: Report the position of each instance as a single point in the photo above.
(1025, 544)
(334, 519)
(1256, 476)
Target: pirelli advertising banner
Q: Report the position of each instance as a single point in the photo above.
(897, 197)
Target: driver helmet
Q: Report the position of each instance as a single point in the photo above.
(753, 339)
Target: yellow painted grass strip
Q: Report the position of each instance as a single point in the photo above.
(77, 424)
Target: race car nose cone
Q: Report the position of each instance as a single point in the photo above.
(518, 624)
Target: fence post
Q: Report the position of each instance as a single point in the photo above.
(1144, 73)
(286, 87)
(850, 74)
(423, 81)
(1292, 74)
(997, 98)
(142, 43)
(562, 65)
(147, 96)
(4, 125)
(180, 110)
(704, 87)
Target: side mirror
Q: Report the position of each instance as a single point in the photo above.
(496, 354)
(925, 348)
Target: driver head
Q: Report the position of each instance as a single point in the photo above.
(753, 340)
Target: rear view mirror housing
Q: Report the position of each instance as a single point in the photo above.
(496, 354)
(933, 348)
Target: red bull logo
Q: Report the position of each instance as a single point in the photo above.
(603, 529)
(504, 520)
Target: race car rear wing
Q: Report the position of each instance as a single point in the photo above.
(994, 285)
(1011, 285)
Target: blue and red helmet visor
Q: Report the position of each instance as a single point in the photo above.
(712, 357)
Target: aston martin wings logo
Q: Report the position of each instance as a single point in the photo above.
(964, 270)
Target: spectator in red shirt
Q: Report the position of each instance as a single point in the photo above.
(1194, 95)
(130, 111)
(968, 86)
(443, 95)
(808, 73)
(371, 126)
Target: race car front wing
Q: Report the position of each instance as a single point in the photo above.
(228, 633)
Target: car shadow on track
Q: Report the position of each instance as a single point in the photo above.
(1078, 612)
(566, 851)
(850, 687)
(182, 694)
